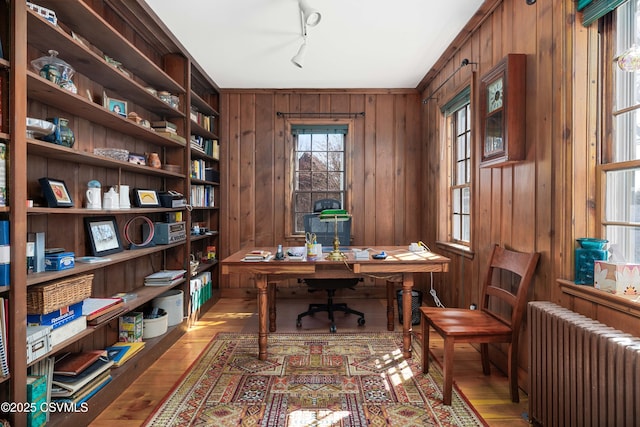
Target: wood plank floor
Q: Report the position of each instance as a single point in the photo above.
(488, 394)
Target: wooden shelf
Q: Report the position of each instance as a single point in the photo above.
(59, 152)
(49, 93)
(124, 256)
(200, 131)
(202, 105)
(86, 23)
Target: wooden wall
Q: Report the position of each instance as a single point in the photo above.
(386, 168)
(544, 202)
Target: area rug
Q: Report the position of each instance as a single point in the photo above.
(311, 380)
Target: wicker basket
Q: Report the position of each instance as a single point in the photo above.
(43, 299)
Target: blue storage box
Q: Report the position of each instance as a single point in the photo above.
(56, 318)
(59, 261)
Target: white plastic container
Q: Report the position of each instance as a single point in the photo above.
(171, 302)
(155, 327)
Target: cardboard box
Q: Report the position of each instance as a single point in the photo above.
(130, 327)
(617, 278)
(38, 342)
(68, 330)
(59, 261)
(56, 318)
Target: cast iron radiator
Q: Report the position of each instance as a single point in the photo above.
(582, 372)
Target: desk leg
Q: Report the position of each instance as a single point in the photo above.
(407, 286)
(261, 284)
(390, 312)
(272, 287)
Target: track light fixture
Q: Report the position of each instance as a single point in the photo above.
(309, 17)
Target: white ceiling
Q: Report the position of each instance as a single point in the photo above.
(357, 44)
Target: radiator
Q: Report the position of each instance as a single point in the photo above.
(582, 372)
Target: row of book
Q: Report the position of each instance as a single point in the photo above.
(207, 122)
(203, 196)
(210, 147)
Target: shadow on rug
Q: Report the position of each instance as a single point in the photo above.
(311, 380)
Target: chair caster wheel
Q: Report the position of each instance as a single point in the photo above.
(333, 329)
(299, 323)
(361, 321)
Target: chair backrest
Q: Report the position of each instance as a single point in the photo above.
(325, 230)
(322, 204)
(507, 284)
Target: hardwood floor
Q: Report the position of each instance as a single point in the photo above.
(488, 394)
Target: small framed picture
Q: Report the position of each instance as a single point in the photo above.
(137, 159)
(56, 193)
(117, 106)
(103, 234)
(146, 198)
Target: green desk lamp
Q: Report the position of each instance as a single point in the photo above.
(335, 216)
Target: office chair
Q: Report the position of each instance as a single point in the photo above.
(507, 280)
(325, 233)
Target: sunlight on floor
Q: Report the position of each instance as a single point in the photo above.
(307, 418)
(397, 368)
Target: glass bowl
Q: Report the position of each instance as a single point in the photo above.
(53, 68)
(37, 128)
(592, 243)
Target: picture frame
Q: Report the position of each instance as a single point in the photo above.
(146, 198)
(137, 159)
(103, 235)
(56, 193)
(117, 106)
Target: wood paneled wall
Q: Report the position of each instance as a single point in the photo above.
(386, 167)
(544, 202)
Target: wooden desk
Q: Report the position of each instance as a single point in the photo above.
(400, 265)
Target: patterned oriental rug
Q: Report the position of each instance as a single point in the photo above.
(311, 380)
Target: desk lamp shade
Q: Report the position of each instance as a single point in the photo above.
(336, 216)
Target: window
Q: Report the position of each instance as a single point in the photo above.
(319, 168)
(458, 124)
(620, 168)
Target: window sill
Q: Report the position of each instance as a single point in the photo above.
(628, 304)
(456, 248)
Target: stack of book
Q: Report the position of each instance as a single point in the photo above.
(164, 278)
(121, 352)
(100, 310)
(258, 255)
(78, 376)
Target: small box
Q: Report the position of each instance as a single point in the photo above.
(36, 387)
(68, 330)
(131, 327)
(618, 278)
(56, 318)
(38, 342)
(59, 261)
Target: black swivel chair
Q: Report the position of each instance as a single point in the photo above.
(325, 234)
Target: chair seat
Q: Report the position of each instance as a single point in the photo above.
(460, 323)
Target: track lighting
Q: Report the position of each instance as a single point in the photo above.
(309, 17)
(298, 59)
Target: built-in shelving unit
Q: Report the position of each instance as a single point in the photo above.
(152, 61)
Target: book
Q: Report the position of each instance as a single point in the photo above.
(72, 364)
(164, 277)
(88, 390)
(108, 314)
(132, 348)
(65, 386)
(257, 255)
(94, 307)
(5, 253)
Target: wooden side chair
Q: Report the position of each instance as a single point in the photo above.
(506, 284)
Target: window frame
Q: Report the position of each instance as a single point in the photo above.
(290, 159)
(445, 215)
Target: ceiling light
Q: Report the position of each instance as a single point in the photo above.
(311, 16)
(298, 59)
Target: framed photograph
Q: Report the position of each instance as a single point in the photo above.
(137, 159)
(146, 198)
(103, 234)
(117, 106)
(56, 193)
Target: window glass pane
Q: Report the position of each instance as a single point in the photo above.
(462, 121)
(627, 136)
(303, 202)
(304, 181)
(336, 142)
(621, 199)
(319, 181)
(625, 241)
(466, 228)
(335, 181)
(461, 174)
(304, 143)
(319, 142)
(304, 161)
(456, 233)
(461, 149)
(456, 200)
(335, 160)
(465, 200)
